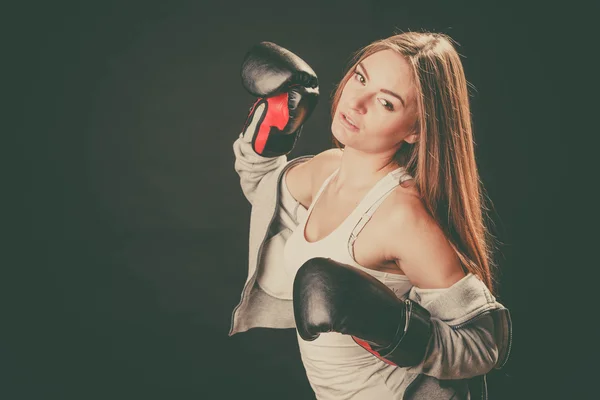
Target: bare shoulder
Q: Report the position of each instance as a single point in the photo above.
(326, 162)
(302, 178)
(406, 206)
(417, 242)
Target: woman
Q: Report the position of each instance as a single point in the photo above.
(376, 251)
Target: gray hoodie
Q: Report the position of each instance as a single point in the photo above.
(471, 330)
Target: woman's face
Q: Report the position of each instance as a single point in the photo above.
(377, 109)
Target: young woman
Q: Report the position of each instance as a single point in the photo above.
(376, 251)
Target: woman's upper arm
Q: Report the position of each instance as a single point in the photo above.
(421, 248)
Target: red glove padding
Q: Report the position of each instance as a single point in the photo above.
(288, 92)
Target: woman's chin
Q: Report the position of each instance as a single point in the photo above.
(339, 133)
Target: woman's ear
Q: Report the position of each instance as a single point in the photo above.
(412, 138)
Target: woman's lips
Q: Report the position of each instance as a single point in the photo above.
(346, 123)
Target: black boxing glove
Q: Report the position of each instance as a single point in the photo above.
(288, 92)
(333, 297)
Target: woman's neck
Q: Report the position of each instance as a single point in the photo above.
(359, 171)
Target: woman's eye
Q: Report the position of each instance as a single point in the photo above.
(387, 104)
(360, 78)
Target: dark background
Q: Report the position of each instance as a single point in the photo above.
(129, 230)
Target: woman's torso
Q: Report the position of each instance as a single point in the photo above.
(331, 210)
(346, 232)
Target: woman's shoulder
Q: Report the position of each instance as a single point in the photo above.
(326, 164)
(318, 168)
(329, 156)
(328, 161)
(404, 203)
(418, 242)
(305, 178)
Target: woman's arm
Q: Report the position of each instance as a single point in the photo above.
(470, 330)
(294, 182)
(287, 91)
(453, 333)
(452, 328)
(418, 246)
(251, 167)
(457, 351)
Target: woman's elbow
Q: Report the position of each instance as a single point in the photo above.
(485, 359)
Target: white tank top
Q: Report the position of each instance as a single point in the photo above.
(337, 367)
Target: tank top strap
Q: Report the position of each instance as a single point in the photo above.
(384, 188)
(323, 185)
(393, 179)
(381, 190)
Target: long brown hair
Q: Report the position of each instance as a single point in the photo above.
(442, 161)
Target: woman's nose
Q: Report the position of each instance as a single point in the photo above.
(358, 103)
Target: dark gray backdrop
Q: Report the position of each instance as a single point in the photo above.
(132, 228)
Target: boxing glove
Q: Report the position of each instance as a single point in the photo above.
(288, 92)
(332, 297)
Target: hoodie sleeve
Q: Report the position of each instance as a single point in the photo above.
(471, 331)
(275, 213)
(253, 168)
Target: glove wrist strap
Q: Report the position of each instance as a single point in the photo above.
(409, 349)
